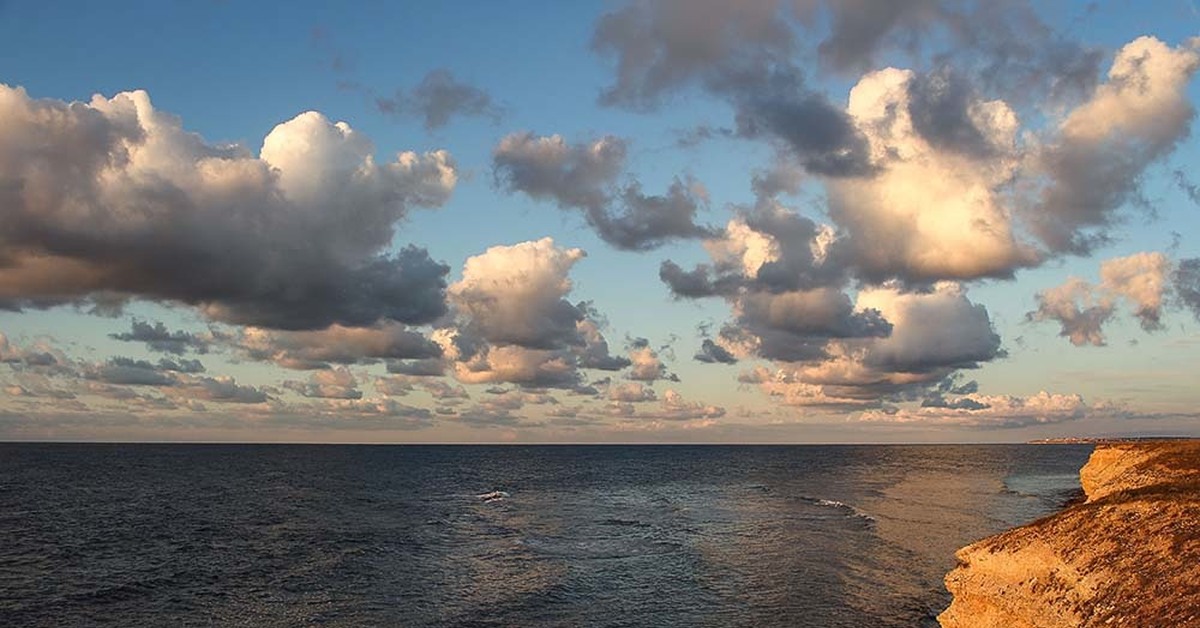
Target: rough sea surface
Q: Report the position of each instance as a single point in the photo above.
(253, 535)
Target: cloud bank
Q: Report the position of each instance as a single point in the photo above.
(113, 197)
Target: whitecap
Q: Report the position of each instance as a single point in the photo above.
(493, 496)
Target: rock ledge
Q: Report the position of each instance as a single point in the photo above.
(1128, 556)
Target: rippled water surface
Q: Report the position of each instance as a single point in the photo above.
(849, 536)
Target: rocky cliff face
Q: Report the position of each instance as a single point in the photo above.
(1129, 556)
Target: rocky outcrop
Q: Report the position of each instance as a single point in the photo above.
(1128, 556)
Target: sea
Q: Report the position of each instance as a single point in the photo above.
(610, 535)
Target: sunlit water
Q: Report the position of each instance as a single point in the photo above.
(853, 536)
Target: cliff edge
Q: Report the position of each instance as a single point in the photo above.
(1128, 556)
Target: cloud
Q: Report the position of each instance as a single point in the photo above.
(931, 331)
(938, 181)
(595, 353)
(660, 48)
(519, 365)
(130, 372)
(818, 313)
(583, 176)
(443, 390)
(1141, 280)
(417, 368)
(936, 209)
(631, 392)
(712, 352)
(181, 365)
(1082, 309)
(514, 295)
(988, 411)
(438, 98)
(1186, 281)
(1094, 162)
(158, 338)
(819, 135)
(37, 385)
(548, 168)
(675, 408)
(784, 278)
(394, 386)
(513, 323)
(220, 389)
(646, 366)
(860, 28)
(767, 248)
(378, 413)
(337, 344)
(753, 54)
(113, 197)
(338, 383)
(39, 356)
(933, 334)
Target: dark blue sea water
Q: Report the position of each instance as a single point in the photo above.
(854, 536)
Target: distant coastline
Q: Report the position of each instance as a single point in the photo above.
(1102, 440)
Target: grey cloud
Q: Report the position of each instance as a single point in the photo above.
(794, 266)
(513, 323)
(821, 313)
(181, 366)
(712, 352)
(417, 368)
(692, 284)
(1082, 325)
(584, 177)
(675, 408)
(632, 392)
(337, 344)
(481, 416)
(1096, 161)
(595, 353)
(1186, 281)
(939, 105)
(647, 222)
(127, 371)
(1186, 186)
(941, 331)
(860, 28)
(395, 386)
(548, 168)
(1011, 50)
(221, 389)
(664, 47)
(332, 384)
(660, 47)
(290, 239)
(37, 385)
(797, 266)
(819, 135)
(158, 338)
(38, 357)
(1142, 280)
(442, 390)
(438, 98)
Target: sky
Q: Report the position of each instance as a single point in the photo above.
(763, 221)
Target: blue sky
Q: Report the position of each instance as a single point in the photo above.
(1005, 258)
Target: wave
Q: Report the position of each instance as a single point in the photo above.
(847, 509)
(493, 496)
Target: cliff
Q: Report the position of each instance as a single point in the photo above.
(1129, 556)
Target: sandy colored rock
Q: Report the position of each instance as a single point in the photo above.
(1129, 556)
